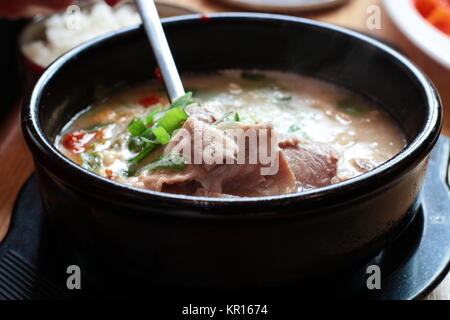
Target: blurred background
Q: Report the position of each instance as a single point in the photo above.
(34, 35)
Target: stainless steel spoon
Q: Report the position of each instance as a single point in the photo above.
(161, 50)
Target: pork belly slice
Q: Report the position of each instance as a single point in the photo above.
(208, 112)
(314, 164)
(222, 180)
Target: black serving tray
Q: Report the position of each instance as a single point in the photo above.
(31, 266)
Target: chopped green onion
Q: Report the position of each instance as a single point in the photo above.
(148, 134)
(231, 115)
(161, 135)
(148, 148)
(351, 108)
(92, 161)
(133, 163)
(253, 76)
(97, 126)
(227, 116)
(135, 144)
(151, 117)
(136, 127)
(182, 101)
(168, 161)
(142, 139)
(293, 128)
(173, 119)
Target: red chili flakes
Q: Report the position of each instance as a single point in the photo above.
(149, 100)
(204, 17)
(158, 74)
(109, 173)
(74, 141)
(112, 3)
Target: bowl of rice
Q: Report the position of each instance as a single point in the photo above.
(45, 39)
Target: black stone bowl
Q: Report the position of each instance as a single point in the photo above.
(112, 229)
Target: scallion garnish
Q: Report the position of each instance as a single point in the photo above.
(148, 134)
(173, 119)
(145, 140)
(151, 117)
(168, 161)
(182, 101)
(136, 127)
(92, 161)
(161, 135)
(227, 116)
(135, 144)
(352, 108)
(230, 116)
(133, 162)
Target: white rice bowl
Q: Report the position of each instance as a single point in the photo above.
(61, 34)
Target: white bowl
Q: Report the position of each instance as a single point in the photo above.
(423, 34)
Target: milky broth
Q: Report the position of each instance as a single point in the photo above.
(362, 135)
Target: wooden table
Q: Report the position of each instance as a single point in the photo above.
(17, 162)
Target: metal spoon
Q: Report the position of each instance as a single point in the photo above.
(161, 50)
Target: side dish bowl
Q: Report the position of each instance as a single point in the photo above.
(36, 31)
(193, 241)
(424, 35)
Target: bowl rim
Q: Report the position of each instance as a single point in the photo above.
(261, 6)
(360, 186)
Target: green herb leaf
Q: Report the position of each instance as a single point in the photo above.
(173, 119)
(148, 134)
(182, 101)
(97, 126)
(227, 117)
(92, 161)
(234, 116)
(142, 138)
(161, 135)
(135, 144)
(168, 161)
(145, 152)
(352, 108)
(136, 127)
(151, 117)
(131, 171)
(148, 148)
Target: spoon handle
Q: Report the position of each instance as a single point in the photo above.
(161, 50)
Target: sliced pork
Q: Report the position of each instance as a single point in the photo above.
(207, 112)
(225, 175)
(313, 164)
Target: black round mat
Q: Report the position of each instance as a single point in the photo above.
(412, 266)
